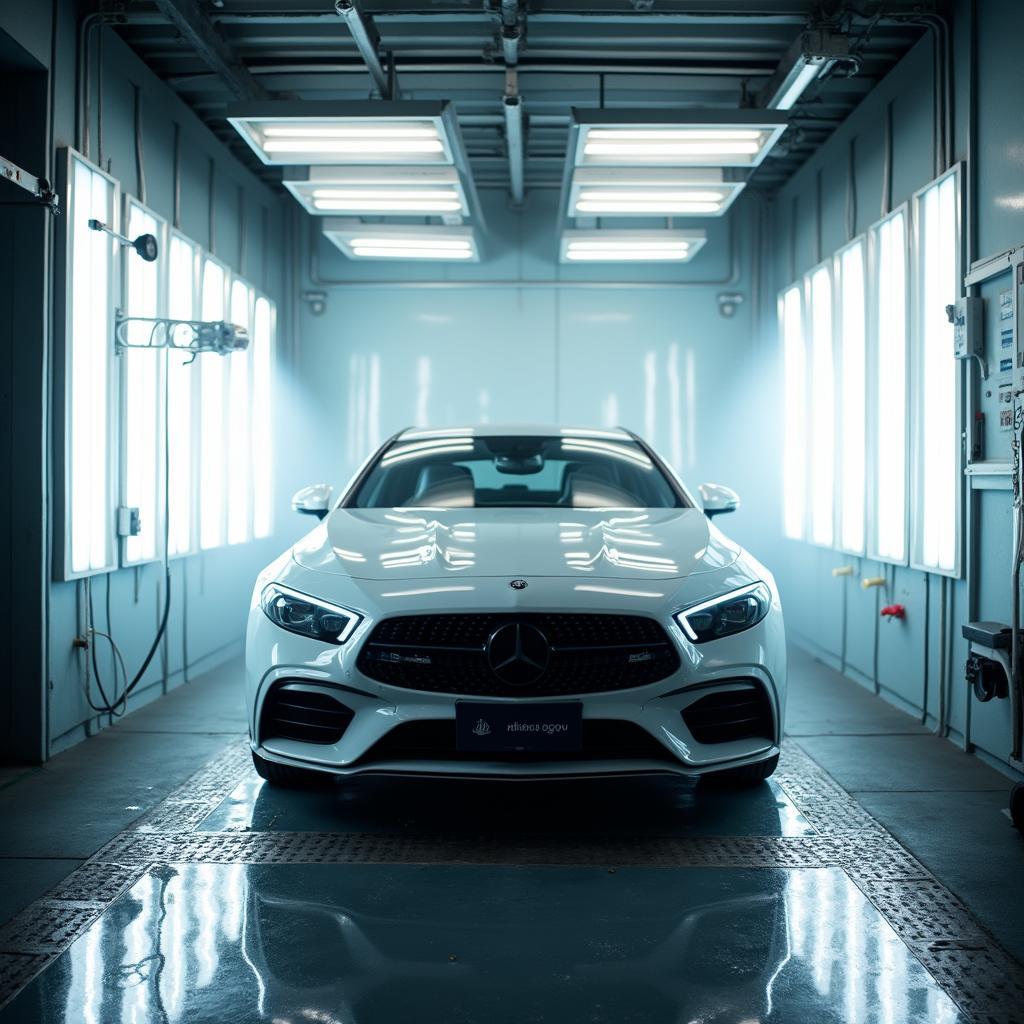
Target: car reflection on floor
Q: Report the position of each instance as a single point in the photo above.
(378, 944)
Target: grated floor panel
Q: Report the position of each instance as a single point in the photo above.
(940, 932)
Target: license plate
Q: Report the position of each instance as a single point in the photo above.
(484, 727)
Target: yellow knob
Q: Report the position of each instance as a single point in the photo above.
(872, 581)
(843, 570)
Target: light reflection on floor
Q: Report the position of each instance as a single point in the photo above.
(368, 944)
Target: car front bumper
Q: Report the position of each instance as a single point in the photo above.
(274, 656)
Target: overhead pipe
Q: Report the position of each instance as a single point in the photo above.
(210, 46)
(511, 32)
(84, 111)
(367, 40)
(513, 106)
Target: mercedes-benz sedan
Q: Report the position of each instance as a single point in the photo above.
(515, 602)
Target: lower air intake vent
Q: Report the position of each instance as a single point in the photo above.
(738, 714)
(293, 712)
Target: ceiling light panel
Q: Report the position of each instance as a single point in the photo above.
(379, 191)
(347, 133)
(682, 138)
(403, 242)
(651, 192)
(617, 246)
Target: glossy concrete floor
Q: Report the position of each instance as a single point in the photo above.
(423, 901)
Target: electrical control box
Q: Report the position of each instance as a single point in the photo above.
(129, 522)
(965, 315)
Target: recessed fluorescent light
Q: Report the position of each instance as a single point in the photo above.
(651, 191)
(656, 149)
(405, 242)
(681, 138)
(386, 194)
(286, 132)
(653, 195)
(379, 190)
(617, 246)
(672, 134)
(791, 91)
(340, 205)
(810, 56)
(309, 150)
(344, 131)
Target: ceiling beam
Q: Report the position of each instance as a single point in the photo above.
(211, 47)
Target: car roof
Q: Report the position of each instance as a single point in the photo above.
(515, 430)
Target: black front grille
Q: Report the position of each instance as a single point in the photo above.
(435, 740)
(293, 713)
(739, 714)
(448, 654)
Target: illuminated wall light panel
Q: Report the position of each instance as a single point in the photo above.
(380, 191)
(651, 192)
(616, 246)
(286, 132)
(403, 242)
(681, 138)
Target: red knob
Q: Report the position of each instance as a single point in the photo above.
(894, 611)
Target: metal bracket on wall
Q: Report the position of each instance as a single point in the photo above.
(317, 302)
(993, 266)
(40, 188)
(728, 303)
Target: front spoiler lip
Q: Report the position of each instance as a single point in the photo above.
(537, 771)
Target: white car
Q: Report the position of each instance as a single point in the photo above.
(519, 602)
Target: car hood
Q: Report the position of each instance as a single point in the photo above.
(418, 544)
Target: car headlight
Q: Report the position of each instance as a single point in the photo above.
(307, 616)
(722, 616)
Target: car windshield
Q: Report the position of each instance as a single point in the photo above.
(459, 470)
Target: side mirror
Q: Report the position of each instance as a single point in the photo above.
(718, 499)
(314, 500)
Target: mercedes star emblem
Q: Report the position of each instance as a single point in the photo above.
(518, 653)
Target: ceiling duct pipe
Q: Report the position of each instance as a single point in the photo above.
(511, 32)
(367, 40)
(511, 38)
(211, 47)
(514, 140)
